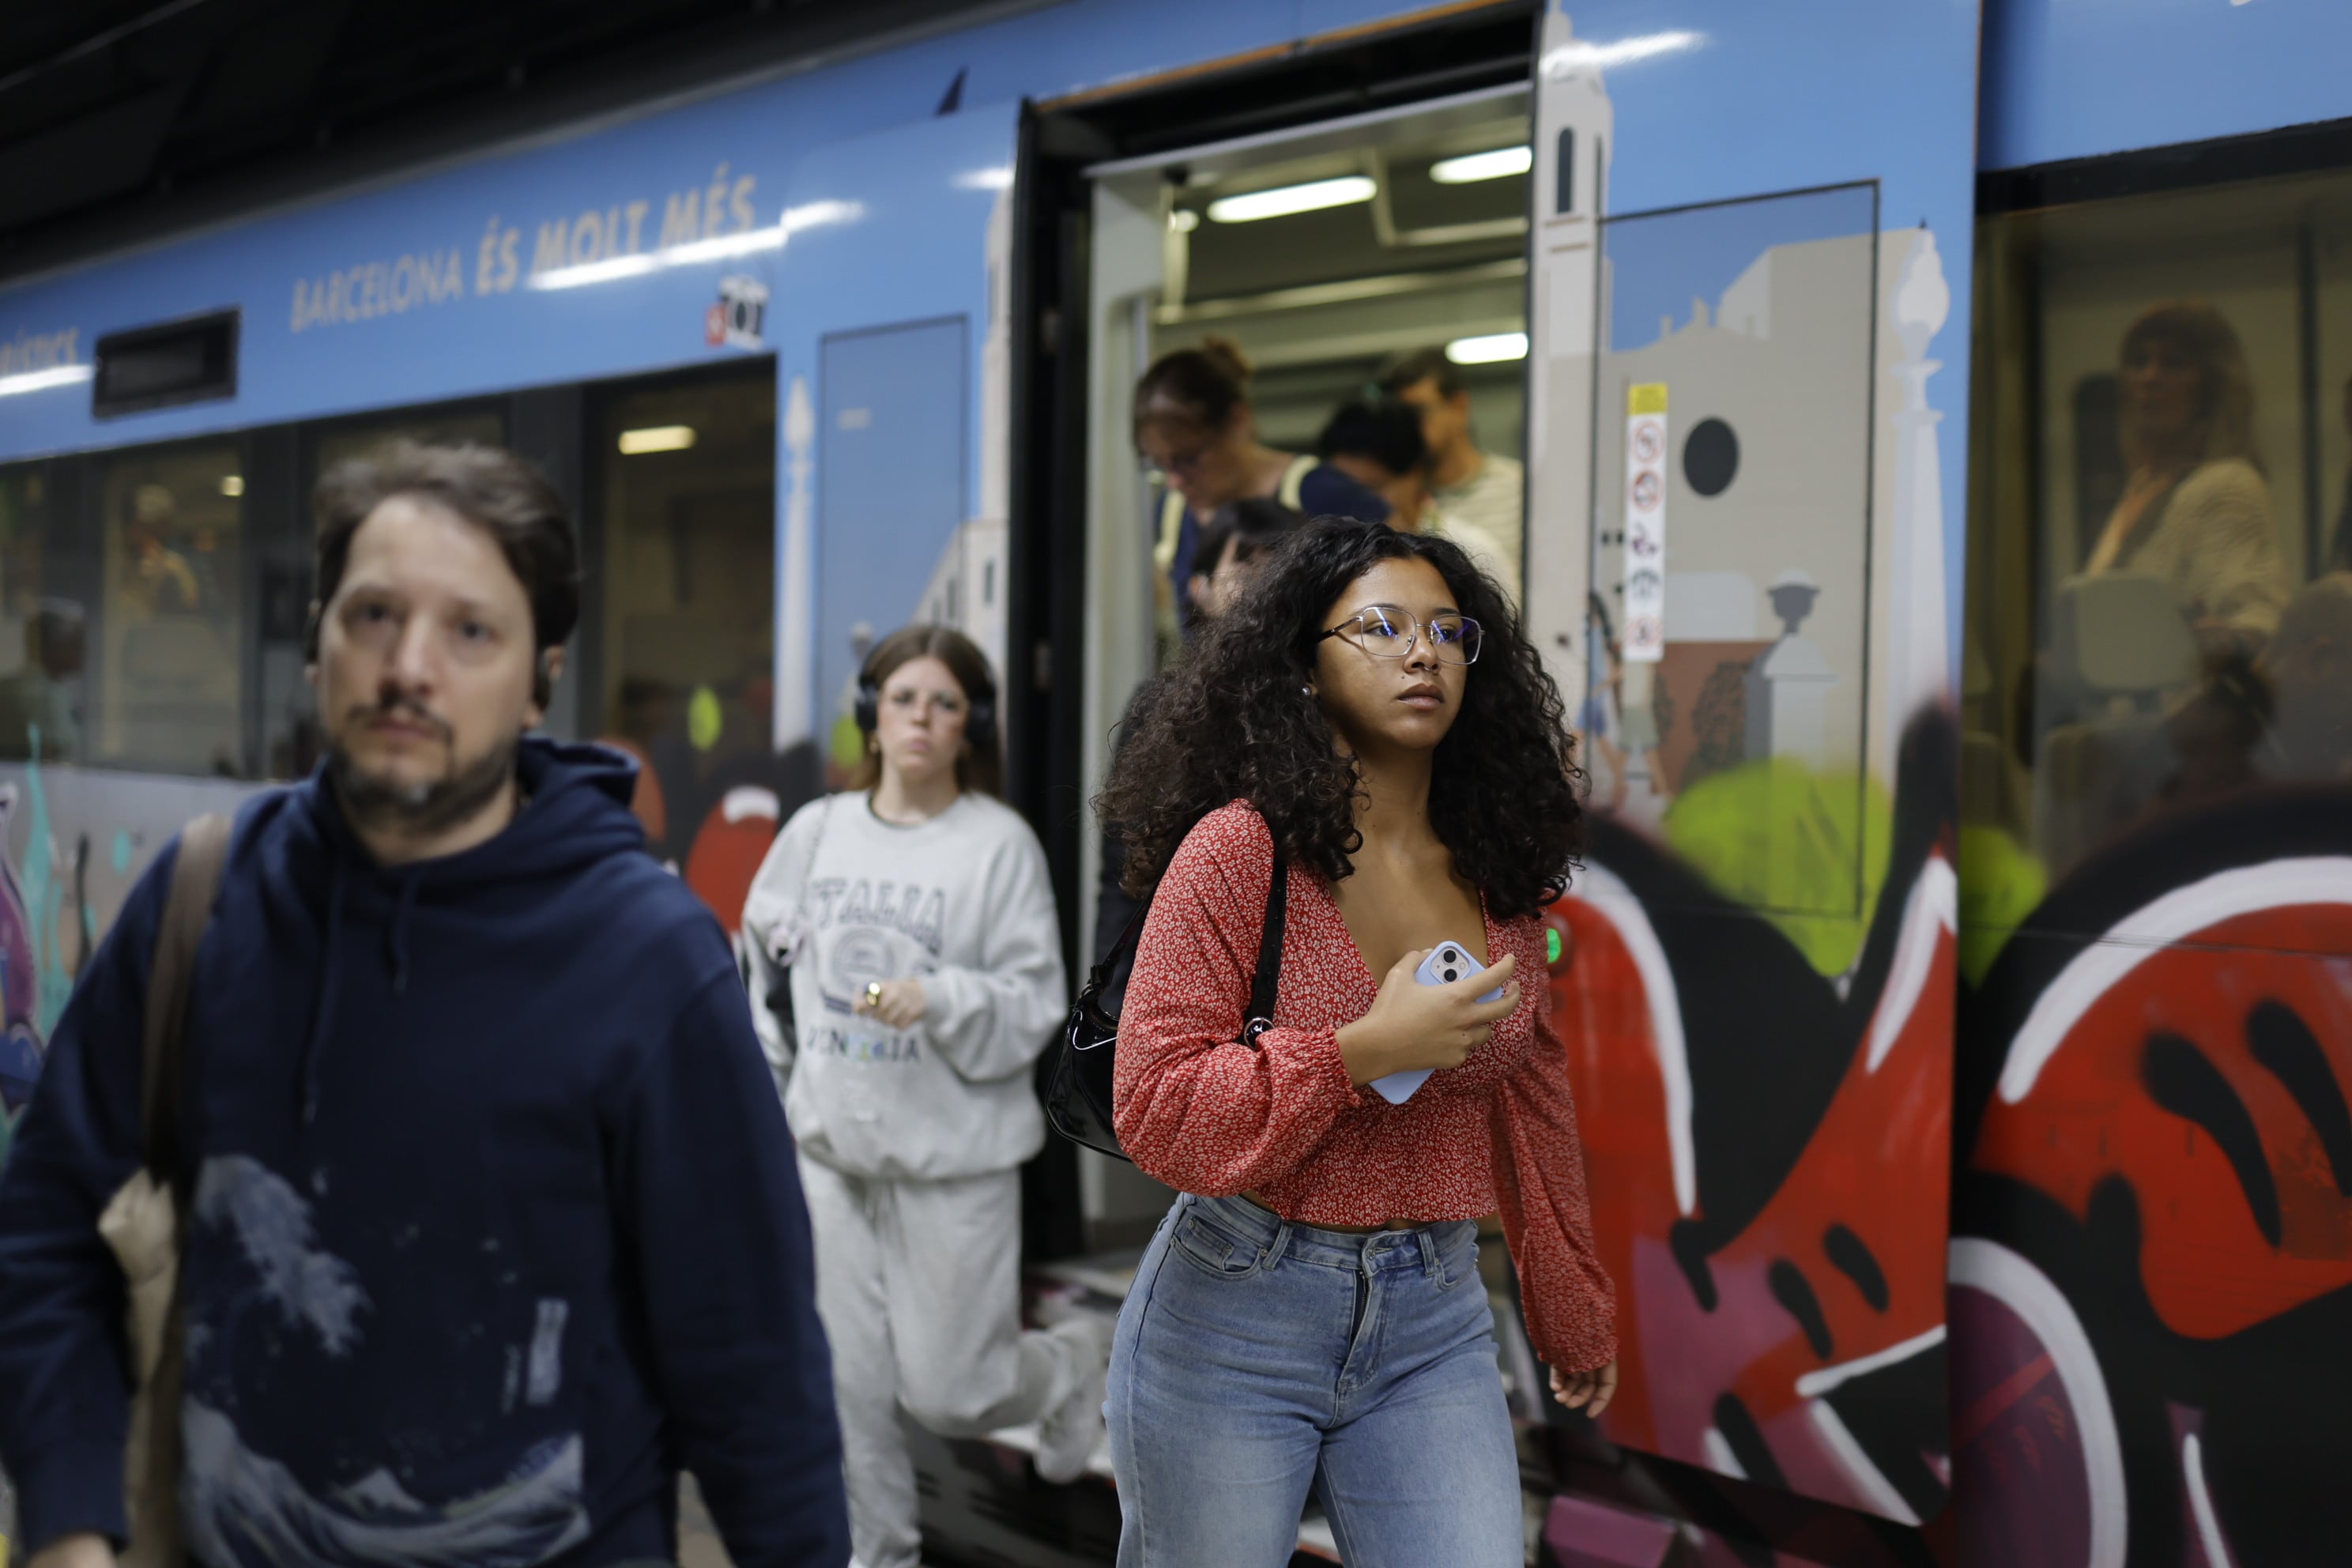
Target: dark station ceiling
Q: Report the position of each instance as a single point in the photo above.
(123, 119)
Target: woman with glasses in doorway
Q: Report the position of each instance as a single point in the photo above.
(1193, 423)
(910, 921)
(1369, 718)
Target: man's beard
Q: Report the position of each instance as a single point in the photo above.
(418, 810)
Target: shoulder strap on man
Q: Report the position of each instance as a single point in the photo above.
(1293, 494)
(1170, 532)
(187, 909)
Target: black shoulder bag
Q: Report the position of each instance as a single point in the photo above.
(1079, 1096)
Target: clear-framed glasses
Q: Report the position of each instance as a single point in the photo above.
(1386, 632)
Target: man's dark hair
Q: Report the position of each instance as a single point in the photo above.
(1424, 365)
(489, 487)
(1387, 432)
(1253, 525)
(1229, 722)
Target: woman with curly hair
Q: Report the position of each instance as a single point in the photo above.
(1310, 1312)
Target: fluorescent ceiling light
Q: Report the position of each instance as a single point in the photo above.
(656, 439)
(1285, 200)
(1493, 349)
(1489, 165)
(232, 484)
(35, 379)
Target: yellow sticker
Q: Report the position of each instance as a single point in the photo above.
(704, 718)
(1646, 397)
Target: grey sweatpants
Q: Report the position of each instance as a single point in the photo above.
(919, 1284)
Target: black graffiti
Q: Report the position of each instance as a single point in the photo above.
(2285, 1044)
(2183, 1079)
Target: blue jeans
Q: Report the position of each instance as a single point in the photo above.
(1256, 1358)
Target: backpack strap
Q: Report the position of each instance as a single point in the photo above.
(1292, 492)
(1170, 532)
(187, 911)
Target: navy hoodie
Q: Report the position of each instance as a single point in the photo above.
(496, 1221)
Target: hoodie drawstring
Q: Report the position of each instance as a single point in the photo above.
(326, 1003)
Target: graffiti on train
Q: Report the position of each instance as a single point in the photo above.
(37, 960)
(2153, 1224)
(1769, 1156)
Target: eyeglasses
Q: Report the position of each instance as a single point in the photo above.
(1385, 632)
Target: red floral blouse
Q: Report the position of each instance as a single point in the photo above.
(1206, 1115)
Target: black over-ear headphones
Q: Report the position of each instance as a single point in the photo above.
(980, 718)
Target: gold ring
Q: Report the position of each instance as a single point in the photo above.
(874, 993)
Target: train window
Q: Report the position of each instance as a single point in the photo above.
(682, 606)
(2160, 595)
(170, 670)
(42, 646)
(357, 437)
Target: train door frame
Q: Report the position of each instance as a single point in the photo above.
(1393, 65)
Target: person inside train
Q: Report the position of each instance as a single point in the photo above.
(904, 956)
(482, 1180)
(2309, 666)
(1380, 446)
(2195, 510)
(1193, 423)
(43, 697)
(1233, 550)
(1483, 489)
(1308, 1314)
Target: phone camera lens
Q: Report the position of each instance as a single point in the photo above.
(1449, 974)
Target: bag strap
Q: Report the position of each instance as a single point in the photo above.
(187, 911)
(1263, 986)
(1269, 954)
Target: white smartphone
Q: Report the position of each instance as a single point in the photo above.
(1447, 961)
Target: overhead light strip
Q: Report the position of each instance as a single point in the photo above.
(1496, 163)
(1286, 201)
(656, 439)
(1494, 348)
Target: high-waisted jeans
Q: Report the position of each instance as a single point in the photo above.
(1256, 1358)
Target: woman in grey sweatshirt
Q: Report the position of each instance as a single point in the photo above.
(914, 920)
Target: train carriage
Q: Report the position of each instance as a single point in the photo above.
(1936, 421)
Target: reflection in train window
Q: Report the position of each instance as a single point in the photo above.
(170, 668)
(2159, 607)
(43, 643)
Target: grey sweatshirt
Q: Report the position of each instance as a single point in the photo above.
(961, 902)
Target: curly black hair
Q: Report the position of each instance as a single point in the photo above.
(1230, 722)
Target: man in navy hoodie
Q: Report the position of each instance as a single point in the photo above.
(495, 1220)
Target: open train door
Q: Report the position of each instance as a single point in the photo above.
(1747, 386)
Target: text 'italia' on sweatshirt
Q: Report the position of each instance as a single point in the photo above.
(960, 902)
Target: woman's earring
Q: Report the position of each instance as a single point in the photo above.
(1307, 691)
